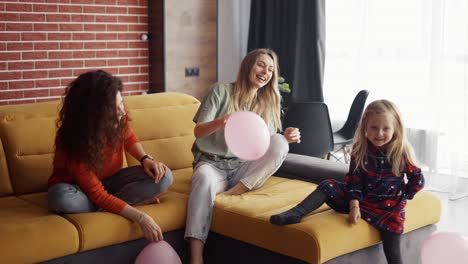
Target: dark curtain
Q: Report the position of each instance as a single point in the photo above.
(295, 30)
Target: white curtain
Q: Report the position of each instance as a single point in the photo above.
(233, 32)
(414, 53)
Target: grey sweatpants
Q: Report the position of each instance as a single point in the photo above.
(207, 181)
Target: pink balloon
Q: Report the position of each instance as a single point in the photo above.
(247, 135)
(158, 252)
(445, 247)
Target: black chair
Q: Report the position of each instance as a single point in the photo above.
(313, 121)
(344, 136)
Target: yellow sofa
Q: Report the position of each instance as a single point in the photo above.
(163, 122)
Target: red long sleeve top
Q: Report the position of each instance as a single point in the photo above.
(77, 173)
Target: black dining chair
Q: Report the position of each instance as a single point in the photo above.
(313, 121)
(343, 137)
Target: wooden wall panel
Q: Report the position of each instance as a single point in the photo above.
(156, 45)
(190, 40)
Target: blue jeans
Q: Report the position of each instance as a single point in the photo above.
(130, 184)
(207, 181)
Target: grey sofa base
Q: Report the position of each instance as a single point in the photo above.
(222, 249)
(411, 244)
(124, 253)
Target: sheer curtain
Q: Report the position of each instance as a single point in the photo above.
(414, 53)
(233, 32)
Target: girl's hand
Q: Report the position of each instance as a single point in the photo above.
(150, 229)
(292, 135)
(155, 169)
(354, 215)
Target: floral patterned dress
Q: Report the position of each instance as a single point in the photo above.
(381, 194)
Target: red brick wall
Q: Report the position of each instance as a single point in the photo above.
(44, 44)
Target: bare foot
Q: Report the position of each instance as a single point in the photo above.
(152, 200)
(236, 190)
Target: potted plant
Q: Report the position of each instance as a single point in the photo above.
(285, 92)
(283, 85)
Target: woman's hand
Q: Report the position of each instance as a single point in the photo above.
(148, 226)
(155, 169)
(292, 135)
(207, 128)
(354, 215)
(150, 229)
(221, 121)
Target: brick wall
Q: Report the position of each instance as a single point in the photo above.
(44, 44)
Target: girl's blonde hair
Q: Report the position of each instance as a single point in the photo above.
(266, 102)
(398, 149)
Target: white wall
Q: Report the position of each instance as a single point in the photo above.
(233, 31)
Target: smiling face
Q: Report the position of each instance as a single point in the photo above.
(380, 129)
(261, 71)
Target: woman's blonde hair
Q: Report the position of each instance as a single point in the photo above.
(398, 149)
(266, 102)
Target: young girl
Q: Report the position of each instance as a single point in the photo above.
(375, 187)
(216, 169)
(93, 131)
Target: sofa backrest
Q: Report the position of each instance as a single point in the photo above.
(27, 133)
(163, 122)
(5, 184)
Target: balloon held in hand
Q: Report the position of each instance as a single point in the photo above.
(247, 135)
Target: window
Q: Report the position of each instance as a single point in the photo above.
(414, 53)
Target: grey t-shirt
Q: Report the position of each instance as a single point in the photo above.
(213, 148)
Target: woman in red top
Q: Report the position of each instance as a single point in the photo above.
(93, 131)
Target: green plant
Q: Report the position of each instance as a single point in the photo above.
(283, 85)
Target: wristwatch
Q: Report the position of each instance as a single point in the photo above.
(146, 157)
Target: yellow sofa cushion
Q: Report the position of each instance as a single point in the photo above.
(5, 183)
(163, 123)
(50, 108)
(321, 236)
(29, 234)
(103, 229)
(29, 147)
(182, 181)
(22, 156)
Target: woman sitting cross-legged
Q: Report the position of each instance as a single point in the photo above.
(93, 131)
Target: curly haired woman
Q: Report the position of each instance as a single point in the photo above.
(93, 131)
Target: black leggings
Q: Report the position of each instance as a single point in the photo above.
(391, 247)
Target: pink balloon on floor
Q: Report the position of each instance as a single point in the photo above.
(158, 252)
(247, 135)
(445, 247)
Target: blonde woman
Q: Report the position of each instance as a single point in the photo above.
(216, 169)
(375, 187)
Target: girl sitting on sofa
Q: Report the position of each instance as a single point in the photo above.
(93, 131)
(216, 169)
(375, 187)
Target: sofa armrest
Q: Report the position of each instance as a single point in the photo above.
(311, 169)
